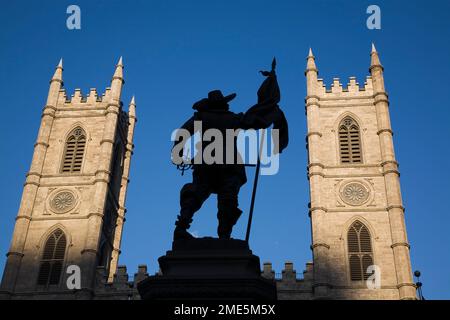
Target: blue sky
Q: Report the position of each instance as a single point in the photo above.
(176, 51)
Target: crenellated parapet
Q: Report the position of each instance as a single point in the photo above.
(351, 89)
(289, 285)
(322, 95)
(122, 287)
(91, 104)
(77, 98)
(83, 101)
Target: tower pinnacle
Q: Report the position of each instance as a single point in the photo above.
(311, 73)
(311, 63)
(132, 108)
(117, 82)
(374, 58)
(118, 73)
(57, 76)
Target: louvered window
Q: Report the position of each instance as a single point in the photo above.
(359, 251)
(349, 141)
(52, 259)
(74, 151)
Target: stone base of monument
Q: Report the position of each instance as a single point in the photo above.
(208, 269)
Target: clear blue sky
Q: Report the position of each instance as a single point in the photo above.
(176, 51)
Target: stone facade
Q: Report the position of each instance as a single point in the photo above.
(367, 191)
(89, 206)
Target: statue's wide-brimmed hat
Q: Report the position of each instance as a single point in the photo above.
(216, 96)
(215, 100)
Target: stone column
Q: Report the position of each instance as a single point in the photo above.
(317, 212)
(102, 176)
(391, 174)
(23, 219)
(123, 190)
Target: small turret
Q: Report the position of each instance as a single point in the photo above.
(132, 108)
(311, 73)
(56, 83)
(376, 70)
(375, 60)
(117, 82)
(58, 72)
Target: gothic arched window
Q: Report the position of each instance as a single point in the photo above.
(74, 151)
(349, 141)
(360, 253)
(52, 259)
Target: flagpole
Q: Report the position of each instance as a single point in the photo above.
(258, 163)
(255, 186)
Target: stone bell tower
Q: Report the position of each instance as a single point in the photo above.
(356, 209)
(73, 204)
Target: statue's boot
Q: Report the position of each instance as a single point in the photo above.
(227, 220)
(182, 225)
(182, 234)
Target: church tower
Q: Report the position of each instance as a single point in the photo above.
(73, 203)
(356, 209)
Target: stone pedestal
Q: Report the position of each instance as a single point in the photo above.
(208, 269)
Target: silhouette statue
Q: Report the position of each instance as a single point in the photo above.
(225, 180)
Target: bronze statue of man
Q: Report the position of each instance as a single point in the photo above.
(226, 179)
